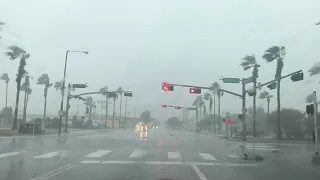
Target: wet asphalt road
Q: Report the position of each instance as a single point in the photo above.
(156, 155)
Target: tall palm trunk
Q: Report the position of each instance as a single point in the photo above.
(268, 105)
(214, 113)
(114, 111)
(15, 120)
(254, 110)
(24, 106)
(120, 107)
(105, 124)
(219, 119)
(278, 110)
(45, 108)
(27, 100)
(90, 113)
(7, 82)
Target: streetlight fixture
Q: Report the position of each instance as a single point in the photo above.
(64, 84)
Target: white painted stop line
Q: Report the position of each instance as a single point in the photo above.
(207, 156)
(174, 155)
(8, 154)
(98, 154)
(137, 154)
(48, 155)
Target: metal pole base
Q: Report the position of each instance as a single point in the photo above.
(316, 159)
(65, 131)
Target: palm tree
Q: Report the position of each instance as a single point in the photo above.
(5, 77)
(214, 88)
(58, 86)
(44, 80)
(248, 62)
(276, 53)
(120, 91)
(198, 102)
(266, 95)
(29, 91)
(207, 96)
(115, 97)
(104, 90)
(14, 53)
(26, 88)
(1, 24)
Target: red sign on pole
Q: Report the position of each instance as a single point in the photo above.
(228, 121)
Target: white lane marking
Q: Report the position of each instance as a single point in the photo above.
(267, 149)
(207, 156)
(254, 146)
(234, 156)
(98, 154)
(137, 153)
(54, 172)
(163, 162)
(48, 155)
(174, 155)
(198, 172)
(8, 154)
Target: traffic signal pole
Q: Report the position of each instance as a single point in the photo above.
(67, 110)
(315, 106)
(244, 128)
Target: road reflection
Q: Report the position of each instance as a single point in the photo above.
(143, 135)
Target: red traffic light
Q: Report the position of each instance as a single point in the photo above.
(195, 90)
(163, 106)
(166, 87)
(177, 107)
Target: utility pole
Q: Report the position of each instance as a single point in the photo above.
(315, 105)
(219, 120)
(67, 110)
(244, 109)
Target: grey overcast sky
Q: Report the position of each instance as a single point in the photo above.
(137, 44)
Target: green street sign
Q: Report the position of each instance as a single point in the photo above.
(231, 80)
(248, 80)
(192, 108)
(128, 94)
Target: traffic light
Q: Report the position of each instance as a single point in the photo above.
(272, 85)
(310, 109)
(163, 106)
(297, 77)
(177, 107)
(195, 90)
(240, 116)
(166, 87)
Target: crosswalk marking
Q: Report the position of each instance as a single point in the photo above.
(207, 156)
(8, 154)
(98, 153)
(137, 153)
(48, 155)
(174, 155)
(234, 156)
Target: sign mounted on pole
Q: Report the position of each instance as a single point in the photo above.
(248, 80)
(231, 80)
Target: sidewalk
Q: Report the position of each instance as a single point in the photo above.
(266, 139)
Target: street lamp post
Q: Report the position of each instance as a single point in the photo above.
(64, 83)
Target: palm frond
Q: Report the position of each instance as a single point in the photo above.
(58, 85)
(263, 95)
(214, 86)
(5, 77)
(315, 69)
(11, 55)
(43, 79)
(206, 96)
(246, 67)
(309, 98)
(120, 90)
(273, 50)
(251, 59)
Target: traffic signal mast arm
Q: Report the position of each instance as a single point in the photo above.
(269, 82)
(201, 87)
